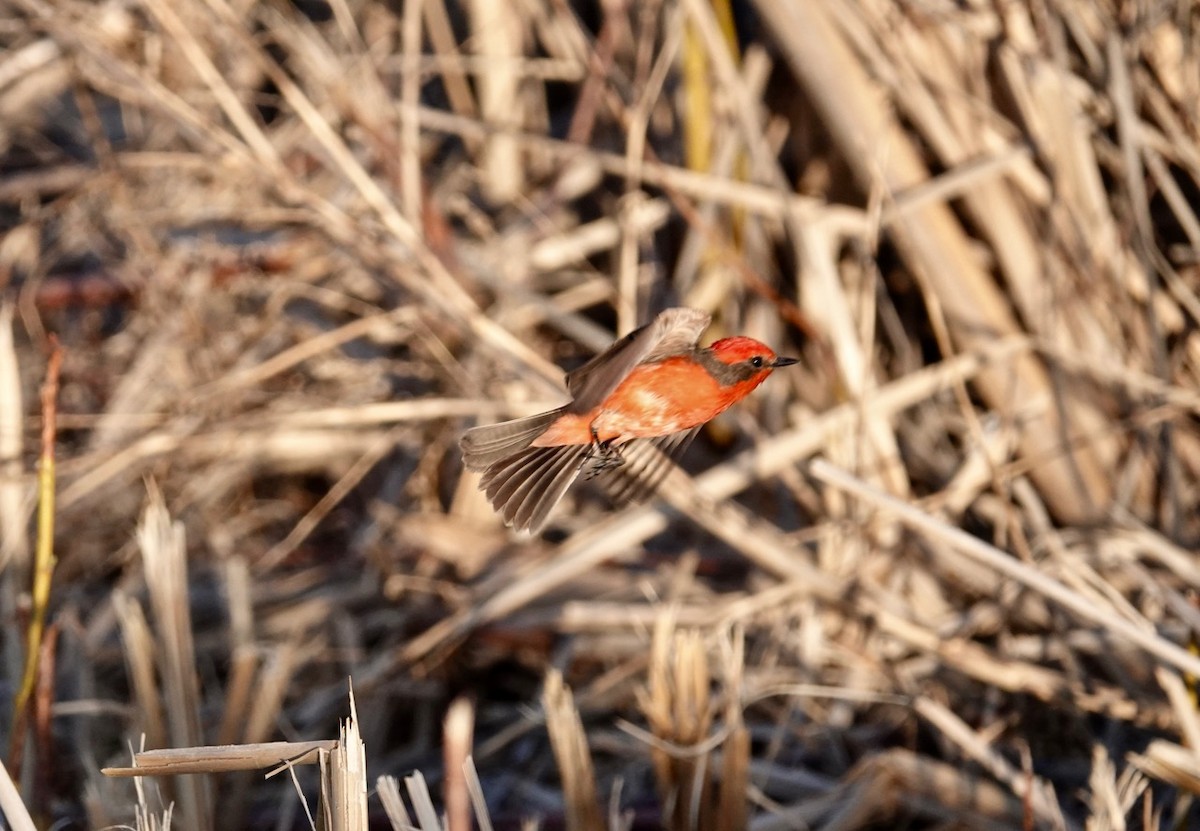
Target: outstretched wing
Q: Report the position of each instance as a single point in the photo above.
(673, 332)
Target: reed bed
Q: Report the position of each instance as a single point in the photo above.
(942, 574)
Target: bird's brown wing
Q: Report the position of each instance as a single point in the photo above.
(673, 332)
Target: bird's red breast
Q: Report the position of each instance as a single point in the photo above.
(654, 400)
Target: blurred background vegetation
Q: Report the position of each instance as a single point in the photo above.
(942, 575)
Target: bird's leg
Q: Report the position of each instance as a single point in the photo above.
(601, 456)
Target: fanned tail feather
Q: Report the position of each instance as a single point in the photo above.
(484, 446)
(524, 483)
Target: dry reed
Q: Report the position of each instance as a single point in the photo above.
(942, 574)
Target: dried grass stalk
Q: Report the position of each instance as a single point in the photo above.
(142, 659)
(733, 806)
(176, 761)
(418, 794)
(276, 252)
(15, 500)
(458, 733)
(1170, 763)
(1112, 796)
(498, 38)
(164, 555)
(388, 788)
(1070, 474)
(11, 806)
(574, 760)
(679, 709)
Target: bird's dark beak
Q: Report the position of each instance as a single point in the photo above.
(778, 362)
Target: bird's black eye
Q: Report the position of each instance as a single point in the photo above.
(756, 362)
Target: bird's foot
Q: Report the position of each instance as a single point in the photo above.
(602, 456)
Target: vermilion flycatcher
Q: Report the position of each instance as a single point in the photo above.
(653, 388)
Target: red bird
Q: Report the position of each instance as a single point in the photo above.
(653, 388)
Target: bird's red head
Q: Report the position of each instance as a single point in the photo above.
(738, 350)
(744, 363)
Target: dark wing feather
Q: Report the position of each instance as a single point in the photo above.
(673, 332)
(647, 462)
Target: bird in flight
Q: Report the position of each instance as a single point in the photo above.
(634, 406)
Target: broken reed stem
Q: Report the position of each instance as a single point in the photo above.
(344, 778)
(14, 546)
(174, 761)
(571, 753)
(162, 541)
(679, 707)
(44, 556)
(733, 808)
